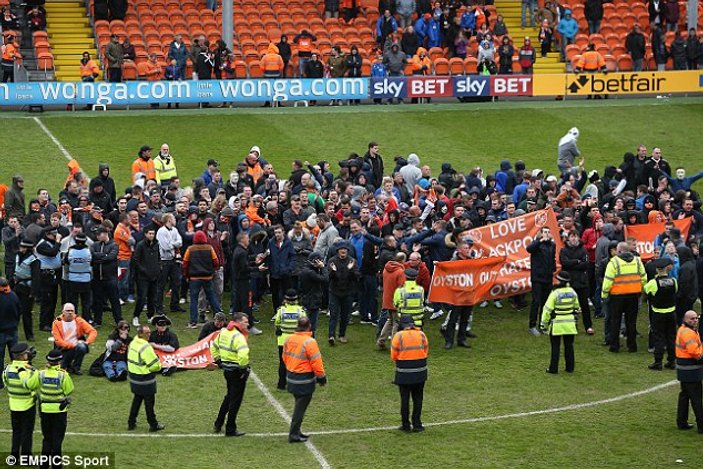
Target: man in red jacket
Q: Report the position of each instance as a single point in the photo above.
(393, 278)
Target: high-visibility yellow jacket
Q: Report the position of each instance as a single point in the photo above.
(624, 275)
(232, 348)
(20, 386)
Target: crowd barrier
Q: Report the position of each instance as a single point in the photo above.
(259, 90)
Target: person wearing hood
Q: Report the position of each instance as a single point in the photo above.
(567, 28)
(393, 58)
(393, 278)
(574, 261)
(107, 181)
(687, 293)
(527, 56)
(199, 264)
(243, 269)
(623, 282)
(505, 178)
(411, 172)
(14, 199)
(99, 197)
(421, 63)
(568, 150)
(677, 50)
(302, 246)
(272, 65)
(343, 274)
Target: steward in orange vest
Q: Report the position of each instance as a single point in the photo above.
(10, 55)
(89, 70)
(304, 366)
(624, 280)
(689, 371)
(144, 164)
(591, 61)
(272, 63)
(409, 351)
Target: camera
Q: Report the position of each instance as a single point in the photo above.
(31, 354)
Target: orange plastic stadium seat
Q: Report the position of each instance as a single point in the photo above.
(471, 65)
(596, 39)
(603, 49)
(611, 62)
(255, 69)
(572, 50)
(629, 20)
(618, 50)
(612, 40)
(606, 29)
(274, 35)
(441, 66)
(456, 66)
(574, 61)
(365, 68)
(643, 20)
(45, 61)
(436, 53)
(577, 11)
(638, 8)
(622, 30)
(624, 63)
(581, 40)
(608, 10)
(622, 9)
(129, 70)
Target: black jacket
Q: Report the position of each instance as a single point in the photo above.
(688, 275)
(574, 260)
(241, 269)
(376, 164)
(314, 69)
(312, 284)
(593, 10)
(342, 280)
(104, 260)
(9, 312)
(284, 50)
(147, 260)
(542, 261)
(635, 43)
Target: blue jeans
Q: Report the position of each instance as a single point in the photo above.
(340, 310)
(123, 279)
(368, 298)
(211, 4)
(637, 65)
(313, 313)
(302, 64)
(593, 27)
(114, 369)
(531, 5)
(73, 358)
(7, 339)
(195, 286)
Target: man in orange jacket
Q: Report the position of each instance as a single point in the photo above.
(144, 164)
(10, 56)
(72, 334)
(689, 371)
(304, 366)
(89, 70)
(272, 63)
(409, 351)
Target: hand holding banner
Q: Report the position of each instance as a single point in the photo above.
(646, 235)
(464, 283)
(192, 357)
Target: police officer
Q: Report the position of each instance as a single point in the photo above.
(142, 364)
(285, 322)
(559, 319)
(409, 351)
(48, 251)
(27, 272)
(230, 351)
(79, 274)
(661, 292)
(55, 385)
(17, 378)
(303, 360)
(689, 371)
(410, 298)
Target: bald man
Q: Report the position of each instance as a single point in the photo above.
(689, 371)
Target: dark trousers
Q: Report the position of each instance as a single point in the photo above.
(540, 293)
(236, 383)
(281, 369)
(278, 290)
(79, 291)
(24, 293)
(115, 74)
(690, 393)
(461, 314)
(171, 275)
(48, 297)
(10, 271)
(53, 428)
(8, 340)
(301, 405)
(416, 391)
(106, 290)
(340, 311)
(149, 401)
(585, 307)
(617, 306)
(73, 357)
(683, 305)
(568, 352)
(313, 314)
(242, 297)
(22, 430)
(368, 297)
(147, 292)
(664, 335)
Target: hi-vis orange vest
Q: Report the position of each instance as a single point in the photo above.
(10, 53)
(624, 278)
(591, 61)
(272, 62)
(255, 171)
(410, 344)
(89, 69)
(146, 167)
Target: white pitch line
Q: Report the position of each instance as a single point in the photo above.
(285, 416)
(63, 150)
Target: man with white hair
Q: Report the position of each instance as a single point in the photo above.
(165, 166)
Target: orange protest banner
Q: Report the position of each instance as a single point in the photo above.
(509, 239)
(647, 234)
(464, 283)
(193, 357)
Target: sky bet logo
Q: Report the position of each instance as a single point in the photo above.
(616, 83)
(430, 87)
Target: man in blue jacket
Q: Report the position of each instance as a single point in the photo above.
(427, 29)
(280, 263)
(385, 26)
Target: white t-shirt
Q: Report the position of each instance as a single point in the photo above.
(69, 332)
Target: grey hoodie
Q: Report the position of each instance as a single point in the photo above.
(602, 246)
(411, 172)
(405, 7)
(393, 58)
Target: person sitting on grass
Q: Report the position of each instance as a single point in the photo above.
(72, 335)
(115, 363)
(218, 322)
(163, 339)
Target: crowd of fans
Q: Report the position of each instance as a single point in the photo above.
(336, 232)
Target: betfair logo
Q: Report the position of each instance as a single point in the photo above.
(616, 83)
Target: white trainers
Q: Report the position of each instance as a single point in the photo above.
(429, 309)
(534, 331)
(436, 314)
(355, 313)
(255, 331)
(182, 301)
(498, 304)
(483, 305)
(135, 321)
